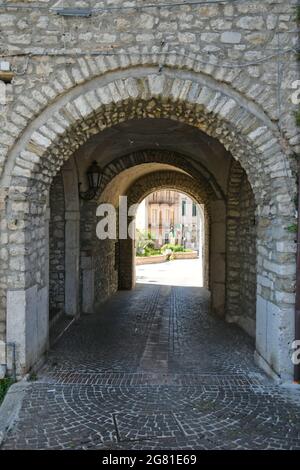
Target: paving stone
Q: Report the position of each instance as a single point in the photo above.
(93, 393)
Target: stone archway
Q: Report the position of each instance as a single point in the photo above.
(172, 180)
(138, 92)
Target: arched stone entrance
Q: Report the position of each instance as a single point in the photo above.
(179, 181)
(144, 93)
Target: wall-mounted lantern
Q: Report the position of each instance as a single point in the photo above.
(94, 176)
(6, 74)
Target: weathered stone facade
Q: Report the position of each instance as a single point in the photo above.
(218, 77)
(57, 247)
(241, 251)
(247, 257)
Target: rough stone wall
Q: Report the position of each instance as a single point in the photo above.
(87, 226)
(4, 255)
(57, 246)
(232, 248)
(241, 251)
(106, 274)
(101, 254)
(247, 256)
(231, 34)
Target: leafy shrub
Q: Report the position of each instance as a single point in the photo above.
(293, 228)
(4, 386)
(144, 242)
(174, 248)
(149, 252)
(152, 252)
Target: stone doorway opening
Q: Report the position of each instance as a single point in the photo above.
(169, 227)
(85, 271)
(138, 141)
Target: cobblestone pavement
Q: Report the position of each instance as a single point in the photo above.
(153, 370)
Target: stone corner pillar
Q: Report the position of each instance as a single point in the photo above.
(274, 337)
(27, 327)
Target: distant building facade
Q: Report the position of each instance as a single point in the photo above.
(171, 217)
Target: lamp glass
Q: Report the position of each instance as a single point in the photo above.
(94, 174)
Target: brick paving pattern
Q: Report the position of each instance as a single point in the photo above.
(153, 370)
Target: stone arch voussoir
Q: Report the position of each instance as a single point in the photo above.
(173, 180)
(68, 79)
(174, 159)
(139, 92)
(38, 151)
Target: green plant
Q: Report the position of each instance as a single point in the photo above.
(144, 242)
(33, 376)
(4, 386)
(149, 252)
(293, 228)
(174, 248)
(169, 246)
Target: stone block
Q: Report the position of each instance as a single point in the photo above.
(27, 325)
(2, 353)
(231, 37)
